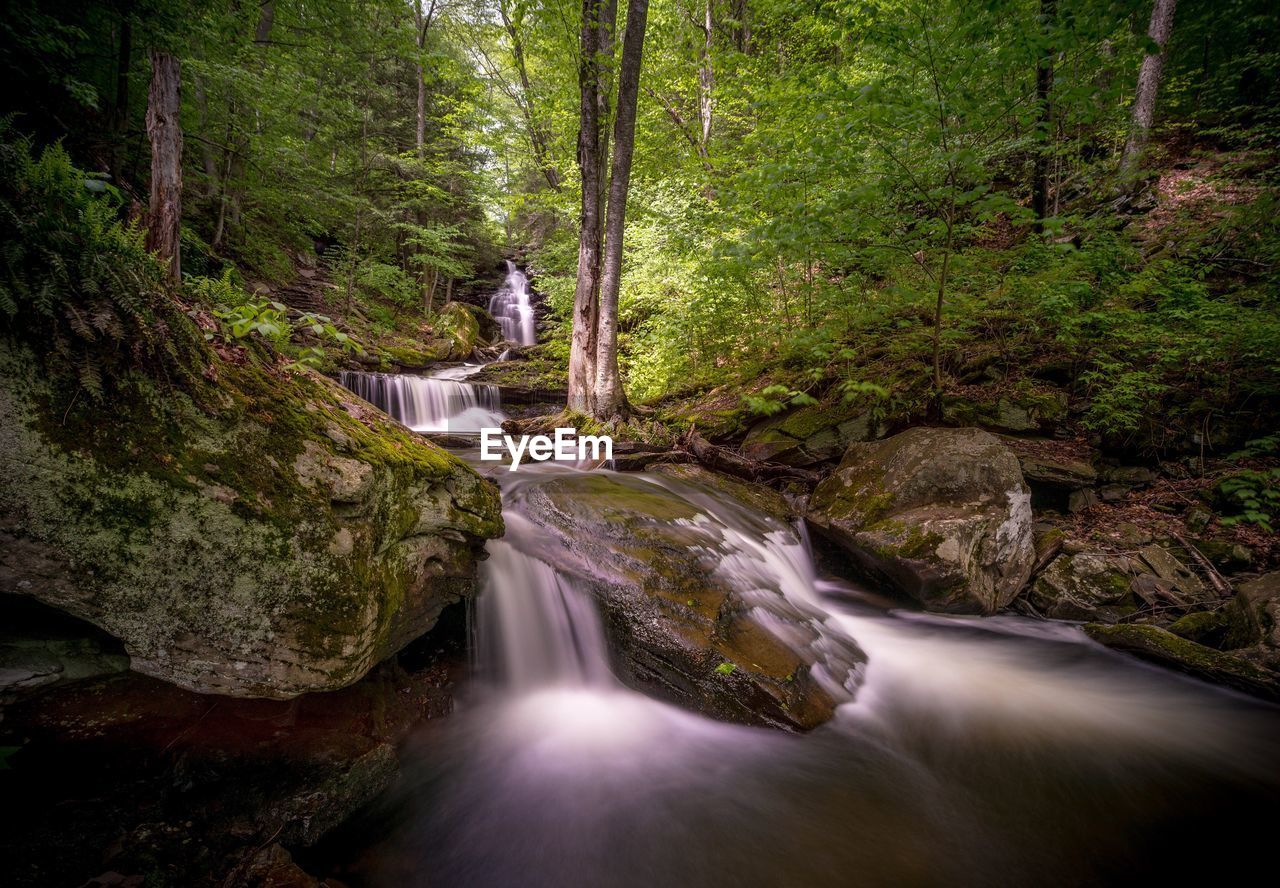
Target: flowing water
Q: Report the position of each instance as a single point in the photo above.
(511, 308)
(441, 402)
(996, 751)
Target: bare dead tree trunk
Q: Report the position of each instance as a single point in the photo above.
(1044, 98)
(164, 129)
(582, 352)
(610, 399)
(1144, 105)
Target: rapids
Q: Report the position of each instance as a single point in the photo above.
(973, 752)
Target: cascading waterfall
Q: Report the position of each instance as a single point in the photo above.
(511, 308)
(442, 402)
(972, 752)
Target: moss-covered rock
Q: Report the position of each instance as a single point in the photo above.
(659, 561)
(1159, 646)
(941, 514)
(1108, 587)
(488, 331)
(810, 435)
(1085, 586)
(264, 535)
(459, 322)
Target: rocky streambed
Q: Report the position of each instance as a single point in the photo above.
(275, 582)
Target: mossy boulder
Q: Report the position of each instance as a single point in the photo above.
(1020, 411)
(658, 553)
(1085, 586)
(943, 515)
(810, 435)
(459, 323)
(260, 534)
(487, 330)
(1108, 587)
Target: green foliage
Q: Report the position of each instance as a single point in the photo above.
(268, 320)
(1252, 495)
(776, 398)
(726, 668)
(75, 280)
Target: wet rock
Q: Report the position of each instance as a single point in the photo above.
(336, 537)
(1166, 649)
(942, 514)
(654, 559)
(810, 435)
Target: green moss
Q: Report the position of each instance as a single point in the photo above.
(900, 540)
(183, 493)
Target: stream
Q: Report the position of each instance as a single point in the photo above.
(965, 751)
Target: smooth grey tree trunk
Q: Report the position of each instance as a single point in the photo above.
(610, 399)
(1144, 104)
(706, 80)
(164, 129)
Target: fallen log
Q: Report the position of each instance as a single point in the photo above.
(1216, 580)
(730, 462)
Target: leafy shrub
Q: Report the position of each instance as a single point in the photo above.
(76, 282)
(1253, 495)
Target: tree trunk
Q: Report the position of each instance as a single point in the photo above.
(582, 351)
(610, 400)
(1044, 98)
(1144, 105)
(537, 139)
(422, 22)
(165, 132)
(706, 81)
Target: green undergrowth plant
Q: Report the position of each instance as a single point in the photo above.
(77, 282)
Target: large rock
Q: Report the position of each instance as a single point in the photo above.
(810, 435)
(659, 563)
(1107, 587)
(461, 324)
(942, 514)
(265, 536)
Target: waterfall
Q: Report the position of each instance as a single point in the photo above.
(535, 628)
(442, 402)
(510, 307)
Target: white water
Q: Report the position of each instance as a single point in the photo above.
(442, 402)
(968, 752)
(511, 308)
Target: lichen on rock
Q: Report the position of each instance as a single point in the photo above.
(941, 514)
(266, 535)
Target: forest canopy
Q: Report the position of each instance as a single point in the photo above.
(869, 201)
